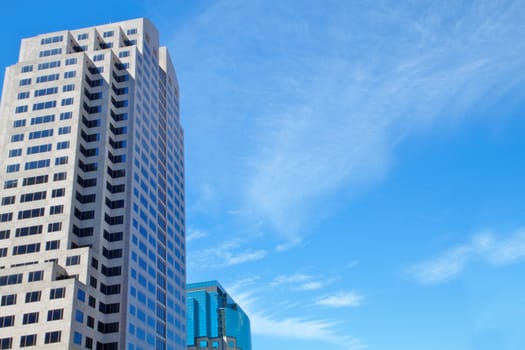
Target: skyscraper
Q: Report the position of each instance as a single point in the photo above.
(215, 321)
(92, 248)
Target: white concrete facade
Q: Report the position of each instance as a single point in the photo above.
(92, 217)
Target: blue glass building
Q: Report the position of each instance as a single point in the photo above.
(214, 320)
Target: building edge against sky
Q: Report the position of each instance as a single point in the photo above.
(215, 321)
(92, 215)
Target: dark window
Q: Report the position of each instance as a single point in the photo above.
(27, 340)
(30, 318)
(32, 297)
(56, 314)
(57, 293)
(52, 337)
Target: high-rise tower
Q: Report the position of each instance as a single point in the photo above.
(92, 249)
(215, 321)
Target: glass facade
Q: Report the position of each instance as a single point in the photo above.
(214, 320)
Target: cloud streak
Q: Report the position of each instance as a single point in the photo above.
(356, 105)
(226, 254)
(342, 299)
(484, 247)
(301, 328)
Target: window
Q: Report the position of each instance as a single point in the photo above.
(39, 149)
(132, 31)
(108, 34)
(47, 78)
(52, 337)
(21, 109)
(13, 168)
(35, 276)
(7, 321)
(17, 138)
(27, 340)
(67, 101)
(8, 200)
(66, 115)
(81, 295)
(5, 217)
(10, 279)
(24, 82)
(51, 52)
(23, 95)
(26, 69)
(57, 293)
(56, 314)
(61, 160)
(34, 196)
(28, 231)
(35, 180)
(77, 338)
(3, 252)
(68, 87)
(10, 184)
(6, 343)
(83, 36)
(64, 130)
(59, 192)
(4, 234)
(89, 343)
(99, 57)
(70, 74)
(9, 299)
(71, 61)
(44, 105)
(59, 176)
(123, 54)
(19, 123)
(46, 91)
(56, 209)
(26, 249)
(15, 152)
(30, 318)
(51, 40)
(43, 119)
(53, 245)
(40, 134)
(48, 65)
(73, 260)
(37, 164)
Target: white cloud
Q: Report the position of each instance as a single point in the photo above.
(311, 285)
(289, 279)
(482, 247)
(294, 327)
(226, 254)
(342, 299)
(194, 234)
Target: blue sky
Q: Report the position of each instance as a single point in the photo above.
(355, 170)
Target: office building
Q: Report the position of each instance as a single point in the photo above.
(215, 321)
(92, 249)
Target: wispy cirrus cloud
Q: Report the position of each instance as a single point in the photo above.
(226, 254)
(360, 101)
(303, 328)
(342, 299)
(486, 247)
(194, 234)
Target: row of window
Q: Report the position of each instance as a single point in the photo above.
(44, 105)
(30, 340)
(48, 65)
(35, 180)
(42, 119)
(41, 134)
(36, 164)
(31, 230)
